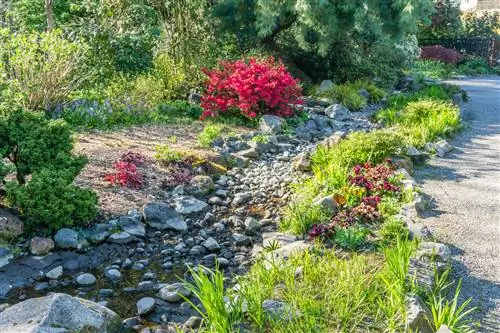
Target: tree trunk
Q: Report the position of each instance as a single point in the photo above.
(49, 11)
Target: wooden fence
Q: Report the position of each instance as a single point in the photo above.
(485, 48)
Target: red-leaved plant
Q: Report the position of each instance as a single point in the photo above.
(126, 175)
(252, 87)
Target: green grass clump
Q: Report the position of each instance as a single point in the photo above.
(331, 166)
(347, 95)
(209, 134)
(435, 70)
(376, 93)
(165, 154)
(208, 287)
(361, 293)
(299, 217)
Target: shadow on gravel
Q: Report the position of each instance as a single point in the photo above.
(485, 314)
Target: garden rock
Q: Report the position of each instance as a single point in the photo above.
(271, 124)
(418, 231)
(241, 240)
(59, 313)
(403, 162)
(417, 156)
(10, 225)
(252, 153)
(432, 250)
(145, 305)
(85, 279)
(282, 239)
(161, 216)
(41, 246)
(113, 274)
(301, 162)
(287, 251)
(442, 148)
(211, 244)
(194, 98)
(364, 93)
(97, 233)
(279, 310)
(242, 198)
(327, 203)
(193, 322)
(188, 205)
(54, 273)
(121, 238)
(132, 226)
(6, 256)
(444, 329)
(337, 112)
(251, 225)
(66, 239)
(172, 293)
(325, 85)
(201, 185)
(416, 313)
(5, 288)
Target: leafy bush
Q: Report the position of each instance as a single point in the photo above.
(440, 53)
(49, 201)
(42, 149)
(253, 88)
(209, 134)
(484, 24)
(475, 66)
(42, 69)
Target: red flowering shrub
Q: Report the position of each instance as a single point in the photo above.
(126, 175)
(440, 53)
(255, 87)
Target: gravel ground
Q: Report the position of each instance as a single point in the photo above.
(464, 189)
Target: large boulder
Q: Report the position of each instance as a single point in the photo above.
(58, 313)
(10, 225)
(66, 239)
(201, 185)
(40, 246)
(271, 124)
(6, 256)
(161, 216)
(189, 205)
(337, 112)
(325, 86)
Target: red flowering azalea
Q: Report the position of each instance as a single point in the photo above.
(255, 87)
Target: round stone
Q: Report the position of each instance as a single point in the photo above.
(113, 274)
(85, 279)
(145, 305)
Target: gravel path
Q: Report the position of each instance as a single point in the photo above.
(465, 193)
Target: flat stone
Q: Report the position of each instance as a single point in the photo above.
(251, 224)
(241, 240)
(241, 198)
(432, 250)
(327, 203)
(211, 244)
(161, 216)
(5, 288)
(6, 256)
(444, 329)
(121, 238)
(85, 279)
(57, 313)
(173, 293)
(282, 239)
(337, 112)
(188, 205)
(132, 226)
(54, 273)
(97, 233)
(325, 86)
(145, 305)
(416, 315)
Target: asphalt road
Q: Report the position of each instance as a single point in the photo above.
(464, 190)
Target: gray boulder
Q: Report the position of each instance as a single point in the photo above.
(325, 85)
(66, 239)
(189, 205)
(416, 155)
(85, 279)
(279, 310)
(301, 162)
(145, 305)
(201, 185)
(161, 216)
(416, 313)
(10, 225)
(337, 112)
(54, 273)
(6, 256)
(132, 226)
(58, 313)
(172, 292)
(211, 244)
(121, 238)
(271, 124)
